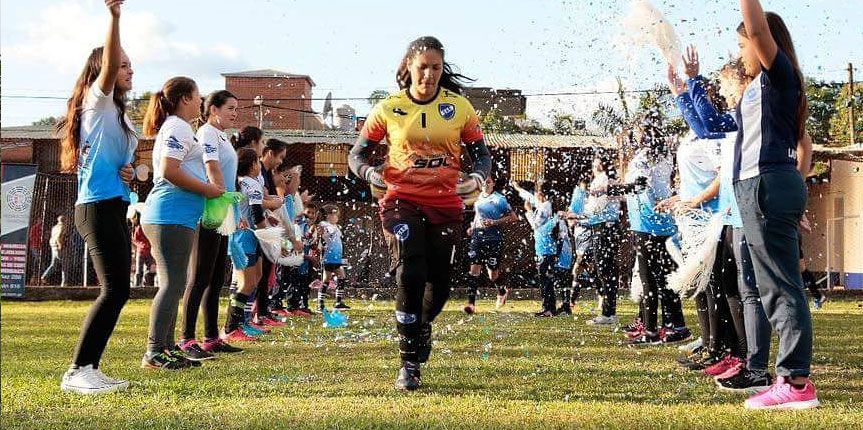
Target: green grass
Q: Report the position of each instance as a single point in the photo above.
(494, 370)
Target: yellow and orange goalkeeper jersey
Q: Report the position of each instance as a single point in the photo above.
(424, 144)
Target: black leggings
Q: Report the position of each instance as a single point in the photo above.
(262, 295)
(204, 283)
(103, 227)
(725, 311)
(602, 253)
(654, 265)
(545, 274)
(425, 253)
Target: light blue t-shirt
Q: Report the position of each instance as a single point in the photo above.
(218, 148)
(168, 203)
(489, 206)
(697, 162)
(564, 255)
(727, 200)
(576, 202)
(332, 243)
(105, 148)
(642, 217)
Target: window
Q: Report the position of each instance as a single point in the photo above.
(331, 160)
(527, 164)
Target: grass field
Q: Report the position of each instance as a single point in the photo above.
(493, 370)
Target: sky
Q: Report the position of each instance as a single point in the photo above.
(351, 48)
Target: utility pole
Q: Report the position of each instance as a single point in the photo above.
(851, 101)
(259, 101)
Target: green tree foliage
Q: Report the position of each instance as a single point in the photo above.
(376, 96)
(48, 121)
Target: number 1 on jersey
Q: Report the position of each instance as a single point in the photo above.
(423, 120)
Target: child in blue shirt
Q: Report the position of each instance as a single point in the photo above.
(334, 272)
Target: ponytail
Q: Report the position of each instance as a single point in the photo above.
(246, 136)
(165, 102)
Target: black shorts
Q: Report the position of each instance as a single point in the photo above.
(332, 267)
(485, 252)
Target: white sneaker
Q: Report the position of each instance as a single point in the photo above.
(84, 380)
(121, 384)
(691, 346)
(603, 320)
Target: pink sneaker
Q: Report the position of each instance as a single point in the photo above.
(317, 284)
(784, 396)
(332, 286)
(733, 370)
(722, 366)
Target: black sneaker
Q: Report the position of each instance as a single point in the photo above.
(705, 361)
(636, 326)
(194, 352)
(564, 309)
(409, 377)
(696, 355)
(646, 339)
(341, 305)
(544, 314)
(424, 344)
(162, 360)
(181, 355)
(676, 335)
(746, 381)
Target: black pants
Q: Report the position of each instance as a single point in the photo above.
(546, 275)
(654, 265)
(725, 311)
(603, 253)
(204, 283)
(425, 239)
(292, 288)
(103, 227)
(262, 295)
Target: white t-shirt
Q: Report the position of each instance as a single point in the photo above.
(218, 148)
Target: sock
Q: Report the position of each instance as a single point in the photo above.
(566, 296)
(340, 290)
(321, 295)
(248, 305)
(472, 290)
(501, 289)
(235, 311)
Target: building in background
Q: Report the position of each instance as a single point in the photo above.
(508, 102)
(286, 98)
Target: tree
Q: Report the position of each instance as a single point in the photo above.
(840, 132)
(48, 121)
(136, 107)
(821, 99)
(376, 96)
(493, 122)
(564, 123)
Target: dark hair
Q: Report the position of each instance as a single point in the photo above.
(330, 209)
(284, 167)
(217, 99)
(500, 184)
(246, 159)
(312, 205)
(69, 127)
(547, 189)
(246, 136)
(165, 102)
(449, 79)
(782, 37)
(275, 145)
(608, 162)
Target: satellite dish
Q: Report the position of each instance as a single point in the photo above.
(328, 110)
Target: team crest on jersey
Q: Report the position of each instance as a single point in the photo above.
(750, 95)
(210, 149)
(402, 232)
(447, 110)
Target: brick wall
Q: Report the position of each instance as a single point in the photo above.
(285, 114)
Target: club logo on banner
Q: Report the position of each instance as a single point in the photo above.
(17, 197)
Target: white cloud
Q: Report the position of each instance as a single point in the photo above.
(63, 35)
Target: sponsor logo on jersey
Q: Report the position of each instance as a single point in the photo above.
(432, 162)
(399, 111)
(446, 110)
(750, 95)
(173, 143)
(210, 149)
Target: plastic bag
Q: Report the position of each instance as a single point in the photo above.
(216, 209)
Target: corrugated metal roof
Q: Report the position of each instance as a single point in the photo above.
(349, 137)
